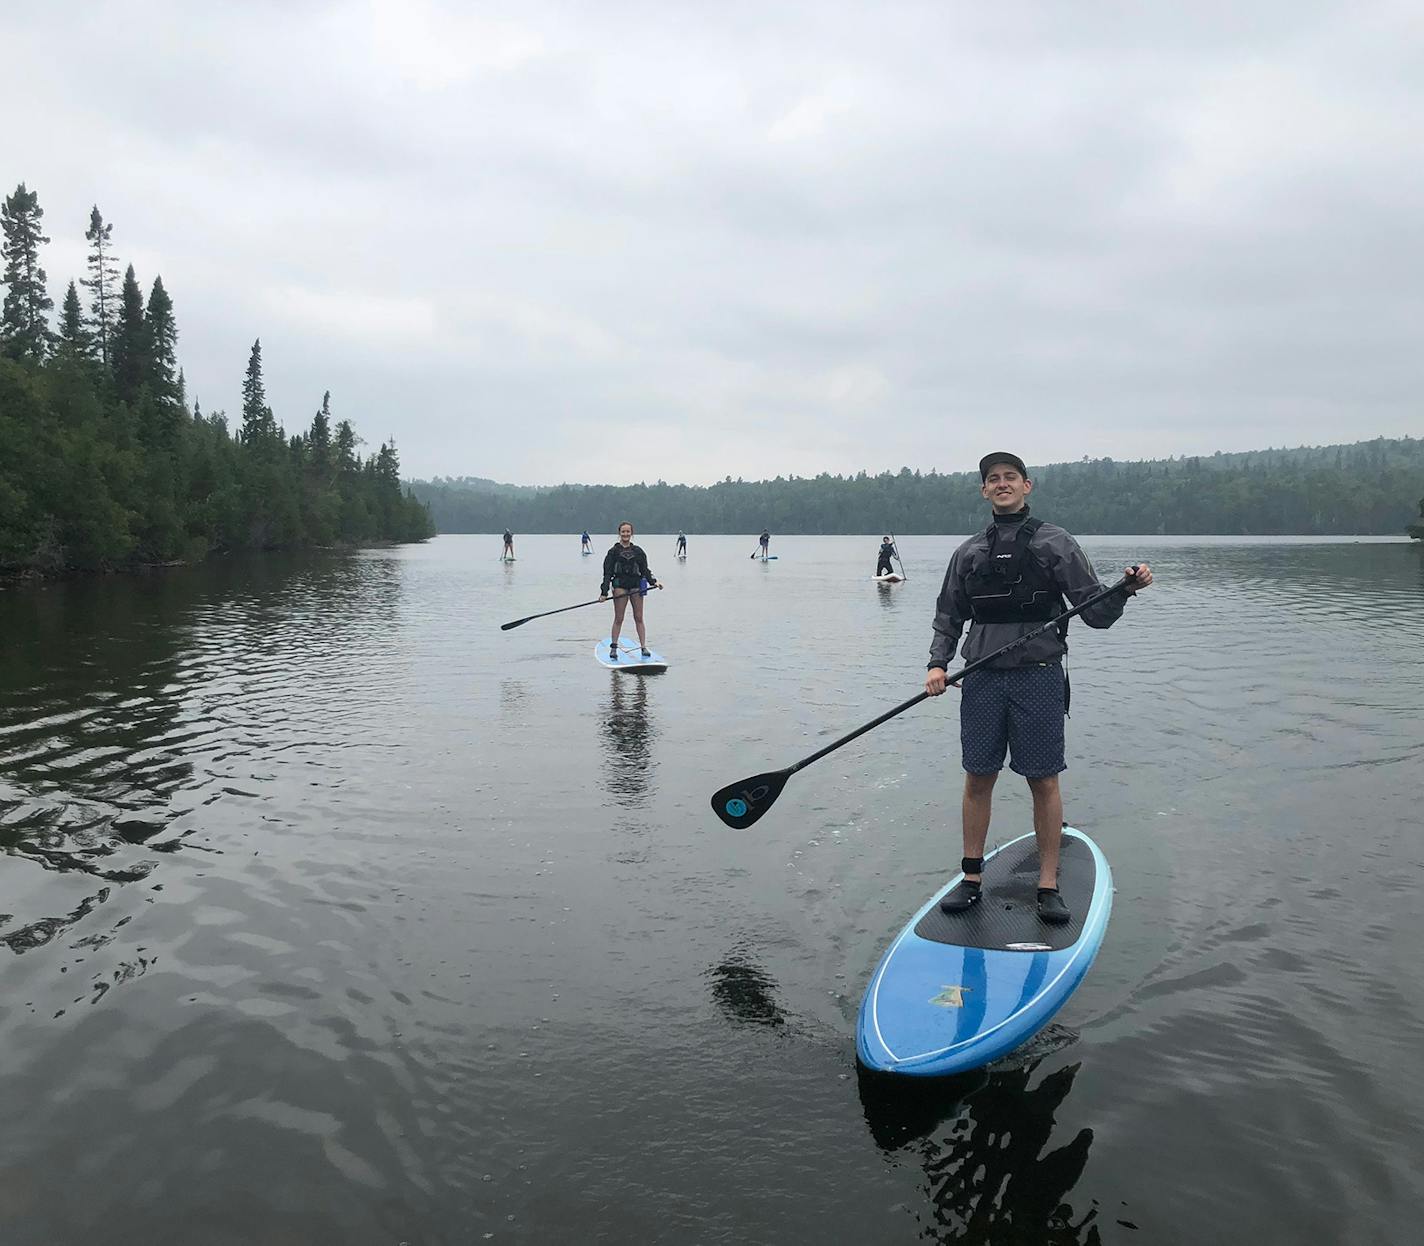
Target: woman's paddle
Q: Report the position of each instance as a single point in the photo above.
(528, 618)
(741, 804)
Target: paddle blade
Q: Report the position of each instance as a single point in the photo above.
(741, 804)
(504, 627)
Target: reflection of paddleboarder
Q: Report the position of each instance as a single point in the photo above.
(887, 551)
(1009, 579)
(999, 1126)
(508, 544)
(628, 738)
(625, 569)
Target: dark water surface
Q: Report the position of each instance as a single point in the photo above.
(330, 913)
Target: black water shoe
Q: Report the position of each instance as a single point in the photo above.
(1051, 907)
(613, 651)
(647, 653)
(962, 898)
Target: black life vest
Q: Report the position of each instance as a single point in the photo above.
(629, 565)
(1011, 585)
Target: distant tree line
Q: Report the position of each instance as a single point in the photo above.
(1365, 488)
(102, 462)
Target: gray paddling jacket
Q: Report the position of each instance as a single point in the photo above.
(1058, 559)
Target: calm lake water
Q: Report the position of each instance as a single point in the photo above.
(330, 913)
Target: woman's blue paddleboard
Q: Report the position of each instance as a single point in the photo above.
(954, 992)
(630, 657)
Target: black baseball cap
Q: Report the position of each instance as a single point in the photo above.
(1001, 456)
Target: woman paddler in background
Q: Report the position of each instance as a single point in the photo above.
(625, 569)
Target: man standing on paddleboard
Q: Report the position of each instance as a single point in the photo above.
(1004, 582)
(883, 565)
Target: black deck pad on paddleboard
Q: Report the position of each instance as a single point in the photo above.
(1008, 913)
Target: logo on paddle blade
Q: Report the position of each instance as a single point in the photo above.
(951, 997)
(736, 808)
(1029, 947)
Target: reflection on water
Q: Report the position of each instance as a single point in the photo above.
(886, 594)
(627, 736)
(744, 991)
(984, 1141)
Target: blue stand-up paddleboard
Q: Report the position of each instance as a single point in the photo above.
(954, 992)
(630, 657)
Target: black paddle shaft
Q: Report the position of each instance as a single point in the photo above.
(959, 675)
(741, 804)
(504, 627)
(895, 545)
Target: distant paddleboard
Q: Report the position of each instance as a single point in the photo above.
(954, 992)
(585, 552)
(502, 558)
(630, 658)
(892, 578)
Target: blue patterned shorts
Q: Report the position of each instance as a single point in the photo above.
(1019, 711)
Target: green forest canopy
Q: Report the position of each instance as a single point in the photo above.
(1369, 487)
(102, 462)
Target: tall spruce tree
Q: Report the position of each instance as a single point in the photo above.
(75, 340)
(161, 338)
(258, 426)
(24, 322)
(129, 346)
(319, 438)
(346, 442)
(103, 281)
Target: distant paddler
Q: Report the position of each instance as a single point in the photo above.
(508, 555)
(1005, 582)
(585, 543)
(765, 542)
(626, 571)
(681, 544)
(887, 551)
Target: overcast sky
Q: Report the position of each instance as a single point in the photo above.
(621, 241)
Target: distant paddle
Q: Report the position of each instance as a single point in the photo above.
(742, 803)
(895, 545)
(529, 618)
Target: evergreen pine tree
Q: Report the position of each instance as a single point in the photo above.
(129, 344)
(257, 422)
(161, 337)
(75, 340)
(319, 439)
(102, 280)
(24, 322)
(346, 446)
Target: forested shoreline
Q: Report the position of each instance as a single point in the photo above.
(1364, 488)
(103, 463)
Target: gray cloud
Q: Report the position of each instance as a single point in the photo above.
(631, 241)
